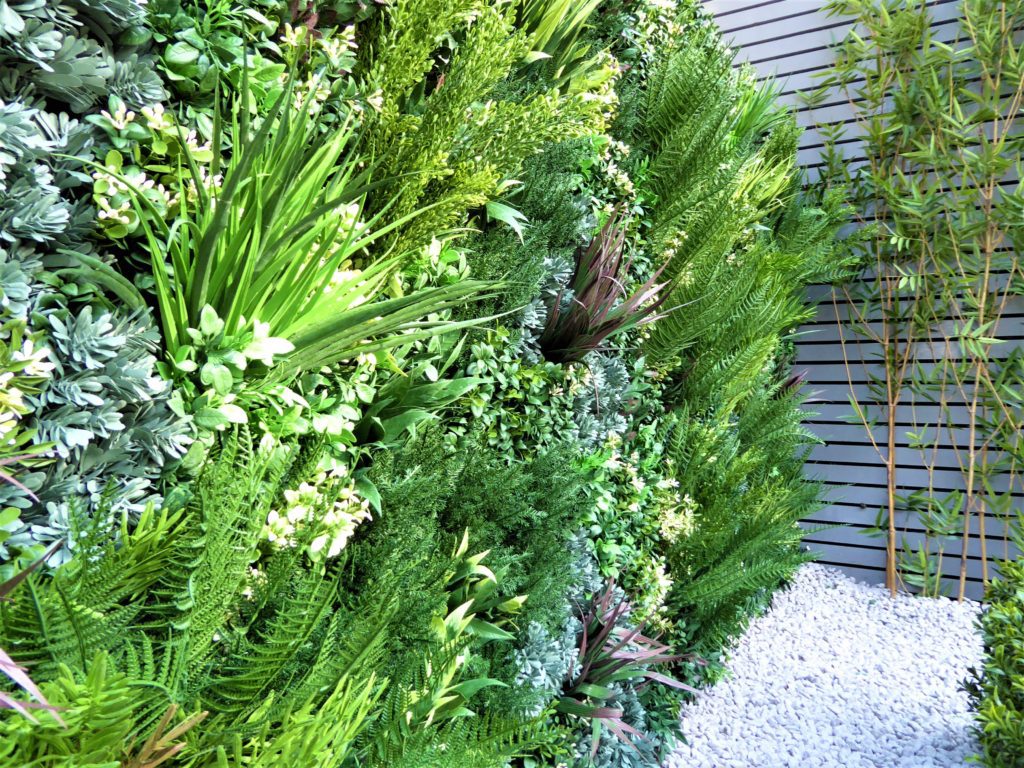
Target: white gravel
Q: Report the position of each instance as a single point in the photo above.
(839, 675)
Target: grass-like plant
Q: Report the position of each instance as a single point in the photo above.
(611, 653)
(276, 245)
(599, 305)
(554, 28)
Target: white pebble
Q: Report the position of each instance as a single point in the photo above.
(839, 675)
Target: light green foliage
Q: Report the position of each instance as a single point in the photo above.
(262, 268)
(738, 538)
(263, 639)
(997, 689)
(714, 179)
(739, 244)
(95, 729)
(523, 406)
(445, 137)
(555, 32)
(520, 406)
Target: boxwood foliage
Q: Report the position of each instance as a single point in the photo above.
(997, 689)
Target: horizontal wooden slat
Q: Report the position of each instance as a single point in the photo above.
(860, 517)
(851, 536)
(1011, 326)
(872, 475)
(857, 434)
(859, 556)
(838, 411)
(724, 8)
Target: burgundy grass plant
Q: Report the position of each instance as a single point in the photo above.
(612, 651)
(599, 306)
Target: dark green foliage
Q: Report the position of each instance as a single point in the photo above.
(997, 689)
(523, 514)
(549, 199)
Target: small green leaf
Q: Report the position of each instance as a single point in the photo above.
(209, 323)
(210, 418)
(218, 376)
(233, 413)
(509, 215)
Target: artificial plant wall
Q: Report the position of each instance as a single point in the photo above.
(390, 384)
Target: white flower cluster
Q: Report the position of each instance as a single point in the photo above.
(156, 118)
(312, 93)
(307, 505)
(210, 183)
(114, 195)
(121, 117)
(31, 362)
(676, 518)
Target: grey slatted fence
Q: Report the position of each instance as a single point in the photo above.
(790, 40)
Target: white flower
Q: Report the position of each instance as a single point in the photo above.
(264, 347)
(156, 118)
(38, 359)
(376, 100)
(293, 37)
(120, 118)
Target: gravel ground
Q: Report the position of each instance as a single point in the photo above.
(839, 675)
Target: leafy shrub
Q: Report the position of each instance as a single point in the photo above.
(262, 273)
(523, 514)
(997, 689)
(396, 545)
(62, 51)
(264, 638)
(613, 657)
(549, 199)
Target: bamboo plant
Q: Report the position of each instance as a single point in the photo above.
(940, 208)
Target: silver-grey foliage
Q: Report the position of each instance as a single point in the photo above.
(109, 416)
